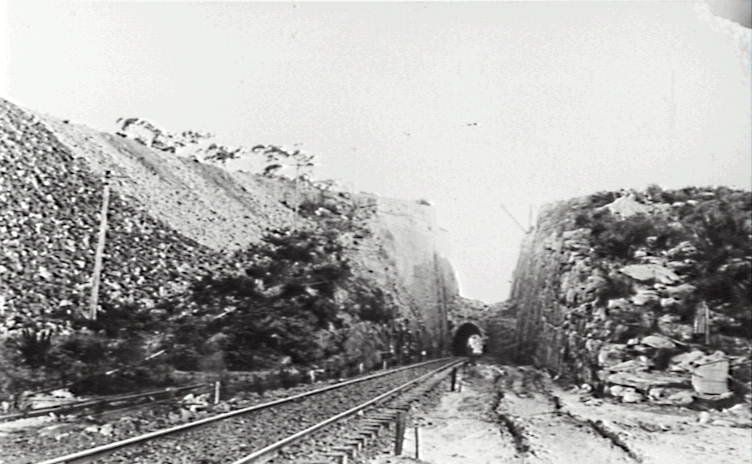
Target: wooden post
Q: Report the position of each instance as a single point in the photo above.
(217, 386)
(417, 444)
(707, 323)
(95, 277)
(399, 433)
(702, 321)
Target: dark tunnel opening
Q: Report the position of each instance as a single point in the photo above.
(461, 336)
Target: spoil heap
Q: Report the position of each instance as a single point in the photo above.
(49, 210)
(176, 225)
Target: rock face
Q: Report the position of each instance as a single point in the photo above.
(404, 255)
(171, 213)
(599, 298)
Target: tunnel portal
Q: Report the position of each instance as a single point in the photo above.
(461, 336)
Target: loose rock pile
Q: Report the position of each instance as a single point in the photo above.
(49, 217)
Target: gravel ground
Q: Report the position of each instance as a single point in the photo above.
(505, 418)
(340, 434)
(22, 441)
(461, 429)
(514, 414)
(221, 442)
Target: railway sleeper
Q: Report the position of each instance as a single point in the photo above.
(372, 424)
(337, 458)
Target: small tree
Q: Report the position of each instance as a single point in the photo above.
(274, 297)
(277, 158)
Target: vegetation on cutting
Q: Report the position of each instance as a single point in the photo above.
(717, 222)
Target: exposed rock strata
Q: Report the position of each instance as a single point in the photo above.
(623, 315)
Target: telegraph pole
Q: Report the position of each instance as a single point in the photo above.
(95, 277)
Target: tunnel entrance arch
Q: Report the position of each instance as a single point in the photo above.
(461, 336)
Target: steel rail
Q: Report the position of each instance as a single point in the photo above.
(274, 447)
(72, 406)
(86, 455)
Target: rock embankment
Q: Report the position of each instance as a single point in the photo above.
(395, 244)
(170, 214)
(618, 291)
(49, 216)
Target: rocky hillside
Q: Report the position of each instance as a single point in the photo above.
(227, 209)
(49, 204)
(616, 290)
(173, 217)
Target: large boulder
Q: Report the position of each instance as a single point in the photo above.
(611, 354)
(644, 381)
(658, 341)
(650, 273)
(640, 364)
(627, 206)
(710, 374)
(680, 292)
(618, 304)
(686, 362)
(645, 297)
(671, 325)
(631, 396)
(683, 250)
(671, 396)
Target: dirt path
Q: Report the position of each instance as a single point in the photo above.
(462, 429)
(515, 414)
(659, 435)
(544, 434)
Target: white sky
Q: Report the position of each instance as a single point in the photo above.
(568, 97)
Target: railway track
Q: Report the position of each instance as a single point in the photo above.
(301, 423)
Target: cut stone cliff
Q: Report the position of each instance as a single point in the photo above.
(616, 291)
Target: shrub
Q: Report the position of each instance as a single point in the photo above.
(619, 238)
(33, 346)
(602, 198)
(15, 375)
(268, 301)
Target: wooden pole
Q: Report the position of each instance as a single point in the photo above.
(417, 444)
(217, 386)
(707, 323)
(95, 278)
(399, 432)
